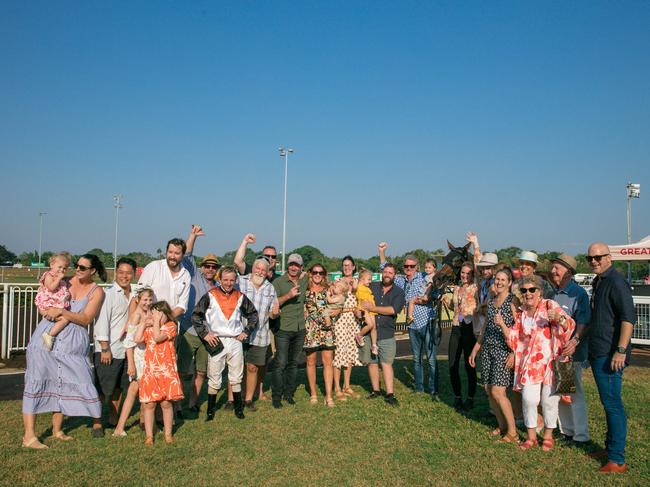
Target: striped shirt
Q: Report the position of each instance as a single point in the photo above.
(263, 299)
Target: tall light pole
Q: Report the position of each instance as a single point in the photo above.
(41, 214)
(284, 152)
(633, 191)
(117, 205)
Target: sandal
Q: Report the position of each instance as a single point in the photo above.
(60, 435)
(329, 403)
(148, 441)
(34, 444)
(547, 444)
(169, 439)
(496, 432)
(528, 444)
(313, 400)
(340, 396)
(509, 439)
(121, 434)
(351, 393)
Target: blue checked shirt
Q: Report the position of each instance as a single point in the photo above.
(263, 299)
(422, 313)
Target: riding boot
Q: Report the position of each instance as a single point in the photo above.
(212, 406)
(239, 405)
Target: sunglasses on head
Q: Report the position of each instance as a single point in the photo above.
(318, 273)
(409, 266)
(597, 258)
(82, 267)
(524, 290)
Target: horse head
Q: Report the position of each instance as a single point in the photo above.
(449, 273)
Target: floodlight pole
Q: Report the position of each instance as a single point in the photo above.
(633, 191)
(40, 241)
(117, 205)
(284, 152)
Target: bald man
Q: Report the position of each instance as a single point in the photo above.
(609, 333)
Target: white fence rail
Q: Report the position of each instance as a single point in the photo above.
(20, 317)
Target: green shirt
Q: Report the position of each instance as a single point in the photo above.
(292, 312)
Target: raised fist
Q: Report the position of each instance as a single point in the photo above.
(382, 246)
(250, 238)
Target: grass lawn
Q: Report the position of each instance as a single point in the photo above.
(359, 442)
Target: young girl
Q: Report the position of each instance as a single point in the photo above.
(429, 273)
(54, 292)
(160, 382)
(135, 355)
(336, 295)
(364, 293)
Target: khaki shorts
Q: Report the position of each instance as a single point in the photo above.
(255, 355)
(191, 347)
(387, 350)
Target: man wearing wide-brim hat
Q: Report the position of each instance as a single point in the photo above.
(190, 349)
(575, 302)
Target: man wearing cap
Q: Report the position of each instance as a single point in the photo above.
(268, 252)
(189, 345)
(290, 337)
(574, 300)
(609, 332)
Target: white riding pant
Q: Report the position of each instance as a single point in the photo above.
(530, 398)
(231, 355)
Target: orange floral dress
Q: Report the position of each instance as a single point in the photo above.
(160, 380)
(536, 347)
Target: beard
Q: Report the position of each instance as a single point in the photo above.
(257, 280)
(387, 281)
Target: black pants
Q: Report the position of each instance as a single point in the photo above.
(462, 341)
(288, 345)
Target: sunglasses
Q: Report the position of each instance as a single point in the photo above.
(82, 267)
(597, 258)
(524, 290)
(210, 266)
(409, 266)
(270, 256)
(318, 273)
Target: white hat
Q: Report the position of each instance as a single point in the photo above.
(294, 259)
(528, 256)
(488, 259)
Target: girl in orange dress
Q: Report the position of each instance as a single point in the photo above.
(160, 382)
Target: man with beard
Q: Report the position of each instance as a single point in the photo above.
(169, 280)
(190, 347)
(290, 337)
(268, 253)
(575, 302)
(219, 317)
(389, 301)
(261, 292)
(109, 358)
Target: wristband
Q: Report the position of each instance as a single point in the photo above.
(104, 350)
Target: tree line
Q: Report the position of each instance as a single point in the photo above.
(312, 255)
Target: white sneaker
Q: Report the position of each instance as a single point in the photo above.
(48, 341)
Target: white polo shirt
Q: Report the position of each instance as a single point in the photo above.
(174, 290)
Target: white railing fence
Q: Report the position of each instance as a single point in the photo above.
(20, 317)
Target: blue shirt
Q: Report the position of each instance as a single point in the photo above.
(574, 300)
(422, 313)
(199, 285)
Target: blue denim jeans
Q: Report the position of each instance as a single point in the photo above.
(609, 389)
(422, 341)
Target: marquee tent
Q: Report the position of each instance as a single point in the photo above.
(635, 251)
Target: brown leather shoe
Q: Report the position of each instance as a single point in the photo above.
(611, 467)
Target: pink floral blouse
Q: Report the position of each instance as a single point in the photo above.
(537, 347)
(465, 303)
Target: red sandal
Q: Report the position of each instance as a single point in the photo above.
(528, 444)
(547, 444)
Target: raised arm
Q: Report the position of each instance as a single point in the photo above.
(381, 250)
(196, 231)
(249, 238)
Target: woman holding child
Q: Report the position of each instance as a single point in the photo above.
(61, 381)
(346, 326)
(319, 333)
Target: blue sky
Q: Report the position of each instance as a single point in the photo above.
(412, 122)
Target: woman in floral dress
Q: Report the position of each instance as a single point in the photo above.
(160, 382)
(346, 326)
(319, 337)
(540, 332)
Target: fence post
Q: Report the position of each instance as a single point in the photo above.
(5, 321)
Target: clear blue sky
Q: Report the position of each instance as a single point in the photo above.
(412, 122)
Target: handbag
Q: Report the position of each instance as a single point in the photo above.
(564, 373)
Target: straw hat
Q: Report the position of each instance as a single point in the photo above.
(567, 261)
(488, 259)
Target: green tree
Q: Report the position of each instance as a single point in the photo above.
(6, 255)
(26, 258)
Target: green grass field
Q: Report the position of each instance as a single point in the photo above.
(359, 442)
